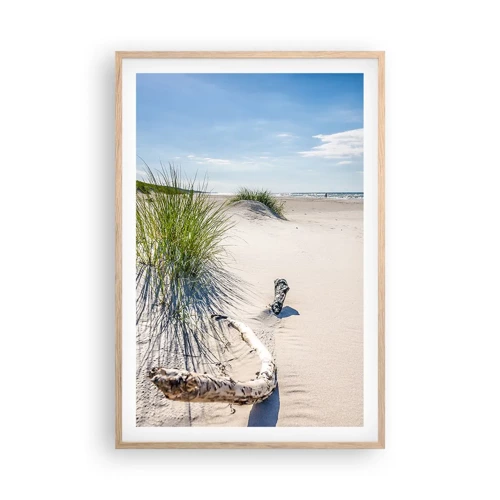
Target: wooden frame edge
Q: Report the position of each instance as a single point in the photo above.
(118, 250)
(381, 249)
(375, 445)
(380, 56)
(297, 54)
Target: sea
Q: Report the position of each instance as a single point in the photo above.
(325, 194)
(315, 194)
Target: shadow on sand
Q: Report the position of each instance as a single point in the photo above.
(176, 316)
(265, 414)
(288, 311)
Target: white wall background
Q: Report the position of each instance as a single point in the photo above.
(443, 273)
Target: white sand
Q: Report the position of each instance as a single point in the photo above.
(317, 341)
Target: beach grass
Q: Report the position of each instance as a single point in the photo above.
(181, 272)
(263, 196)
(148, 188)
(179, 230)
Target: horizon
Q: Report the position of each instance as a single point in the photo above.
(288, 133)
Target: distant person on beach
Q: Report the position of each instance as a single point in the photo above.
(326, 195)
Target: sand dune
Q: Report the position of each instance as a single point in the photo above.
(252, 210)
(317, 339)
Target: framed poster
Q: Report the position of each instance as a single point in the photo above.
(250, 250)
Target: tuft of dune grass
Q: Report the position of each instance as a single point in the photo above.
(179, 230)
(263, 196)
(182, 277)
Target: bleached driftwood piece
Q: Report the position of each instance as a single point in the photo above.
(181, 385)
(280, 290)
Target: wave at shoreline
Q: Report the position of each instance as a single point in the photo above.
(319, 194)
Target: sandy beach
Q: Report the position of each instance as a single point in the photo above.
(317, 340)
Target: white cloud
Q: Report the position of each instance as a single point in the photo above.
(344, 162)
(264, 157)
(210, 161)
(216, 161)
(343, 145)
(285, 135)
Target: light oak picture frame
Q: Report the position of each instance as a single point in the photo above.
(379, 58)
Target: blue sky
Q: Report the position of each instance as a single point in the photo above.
(283, 132)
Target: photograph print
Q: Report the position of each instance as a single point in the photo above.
(249, 250)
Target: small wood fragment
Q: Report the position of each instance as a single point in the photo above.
(281, 288)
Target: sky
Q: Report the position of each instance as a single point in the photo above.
(282, 132)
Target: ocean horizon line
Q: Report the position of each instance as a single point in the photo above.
(307, 194)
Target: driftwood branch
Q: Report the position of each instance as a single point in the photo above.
(181, 385)
(280, 290)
